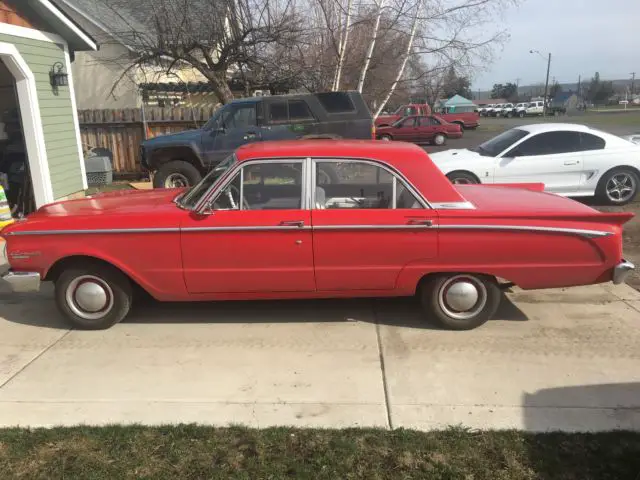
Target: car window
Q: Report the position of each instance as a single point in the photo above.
(278, 112)
(263, 186)
(591, 142)
(299, 111)
(548, 143)
(500, 143)
(360, 185)
(335, 102)
(428, 121)
(408, 122)
(240, 116)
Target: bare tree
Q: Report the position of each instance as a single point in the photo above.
(380, 4)
(215, 37)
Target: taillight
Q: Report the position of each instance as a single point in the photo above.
(373, 131)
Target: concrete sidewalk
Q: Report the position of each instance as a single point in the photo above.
(553, 359)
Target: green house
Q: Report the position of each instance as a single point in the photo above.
(38, 115)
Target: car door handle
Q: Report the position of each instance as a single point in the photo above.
(572, 162)
(420, 221)
(292, 223)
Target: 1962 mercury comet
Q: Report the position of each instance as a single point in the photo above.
(270, 222)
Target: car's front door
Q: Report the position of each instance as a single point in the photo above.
(553, 158)
(257, 237)
(367, 227)
(406, 130)
(236, 127)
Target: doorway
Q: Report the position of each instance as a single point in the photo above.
(15, 177)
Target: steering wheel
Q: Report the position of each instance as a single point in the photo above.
(229, 193)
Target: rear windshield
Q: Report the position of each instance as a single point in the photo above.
(336, 102)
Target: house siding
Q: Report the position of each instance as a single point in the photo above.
(56, 112)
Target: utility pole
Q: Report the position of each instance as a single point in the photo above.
(633, 81)
(546, 88)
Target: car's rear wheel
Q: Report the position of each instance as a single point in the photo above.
(176, 174)
(462, 178)
(618, 186)
(93, 297)
(439, 139)
(386, 138)
(460, 301)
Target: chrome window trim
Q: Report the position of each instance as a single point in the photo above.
(512, 228)
(376, 163)
(215, 189)
(453, 206)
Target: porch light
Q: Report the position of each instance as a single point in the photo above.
(58, 77)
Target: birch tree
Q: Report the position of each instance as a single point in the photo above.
(380, 4)
(344, 41)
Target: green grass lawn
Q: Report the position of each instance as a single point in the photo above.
(190, 452)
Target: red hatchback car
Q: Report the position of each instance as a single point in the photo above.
(420, 129)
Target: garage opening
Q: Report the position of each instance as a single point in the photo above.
(15, 175)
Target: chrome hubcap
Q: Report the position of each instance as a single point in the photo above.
(89, 297)
(621, 187)
(176, 180)
(462, 297)
(385, 139)
(439, 140)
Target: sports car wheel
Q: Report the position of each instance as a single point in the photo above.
(460, 301)
(439, 139)
(618, 187)
(94, 297)
(462, 178)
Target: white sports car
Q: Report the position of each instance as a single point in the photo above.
(571, 160)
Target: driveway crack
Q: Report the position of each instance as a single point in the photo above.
(383, 370)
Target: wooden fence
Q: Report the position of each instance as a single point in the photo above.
(122, 131)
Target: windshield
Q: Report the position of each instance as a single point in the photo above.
(193, 195)
(496, 145)
(213, 121)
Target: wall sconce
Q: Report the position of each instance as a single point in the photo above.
(57, 76)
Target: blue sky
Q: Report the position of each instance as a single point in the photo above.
(582, 36)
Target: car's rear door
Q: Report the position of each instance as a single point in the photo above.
(368, 226)
(553, 158)
(257, 237)
(427, 128)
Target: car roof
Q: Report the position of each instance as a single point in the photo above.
(552, 127)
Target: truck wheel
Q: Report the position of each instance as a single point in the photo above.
(176, 174)
(93, 297)
(439, 140)
(618, 186)
(460, 301)
(521, 114)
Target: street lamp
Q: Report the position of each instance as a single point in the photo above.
(546, 85)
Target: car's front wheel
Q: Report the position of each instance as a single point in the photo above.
(460, 301)
(94, 296)
(386, 138)
(462, 178)
(618, 186)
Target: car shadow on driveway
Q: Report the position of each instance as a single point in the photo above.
(40, 311)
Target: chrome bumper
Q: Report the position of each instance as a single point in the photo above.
(622, 271)
(22, 282)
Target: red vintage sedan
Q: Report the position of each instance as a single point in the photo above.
(315, 219)
(420, 129)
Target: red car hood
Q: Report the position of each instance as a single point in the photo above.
(122, 201)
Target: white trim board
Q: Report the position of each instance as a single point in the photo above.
(72, 26)
(31, 123)
(25, 32)
(76, 122)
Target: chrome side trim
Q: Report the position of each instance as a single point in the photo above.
(373, 227)
(517, 228)
(622, 271)
(93, 232)
(525, 228)
(453, 206)
(266, 228)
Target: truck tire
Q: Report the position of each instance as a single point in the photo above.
(521, 114)
(177, 173)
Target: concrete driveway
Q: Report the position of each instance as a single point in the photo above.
(551, 360)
